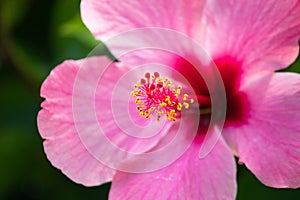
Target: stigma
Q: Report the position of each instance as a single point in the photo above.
(156, 96)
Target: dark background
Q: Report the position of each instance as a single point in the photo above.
(35, 36)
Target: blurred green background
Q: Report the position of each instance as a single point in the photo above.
(34, 37)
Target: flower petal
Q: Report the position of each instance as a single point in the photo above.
(108, 18)
(269, 142)
(55, 122)
(87, 102)
(252, 30)
(212, 177)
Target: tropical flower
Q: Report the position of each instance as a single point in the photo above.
(248, 41)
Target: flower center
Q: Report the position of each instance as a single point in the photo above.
(157, 96)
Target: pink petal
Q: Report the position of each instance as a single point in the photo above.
(108, 18)
(154, 45)
(212, 177)
(263, 34)
(84, 124)
(269, 142)
(55, 122)
(246, 31)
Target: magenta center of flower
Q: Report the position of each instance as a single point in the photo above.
(158, 96)
(231, 73)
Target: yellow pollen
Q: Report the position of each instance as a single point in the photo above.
(186, 105)
(137, 101)
(163, 104)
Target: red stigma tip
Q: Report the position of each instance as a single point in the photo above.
(147, 75)
(143, 81)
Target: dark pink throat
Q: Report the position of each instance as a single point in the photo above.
(231, 73)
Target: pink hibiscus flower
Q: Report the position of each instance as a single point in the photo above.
(94, 121)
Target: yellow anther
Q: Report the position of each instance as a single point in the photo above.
(159, 79)
(138, 84)
(137, 101)
(192, 100)
(186, 105)
(136, 91)
(179, 106)
(133, 94)
(163, 104)
(185, 96)
(168, 100)
(171, 115)
(148, 116)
